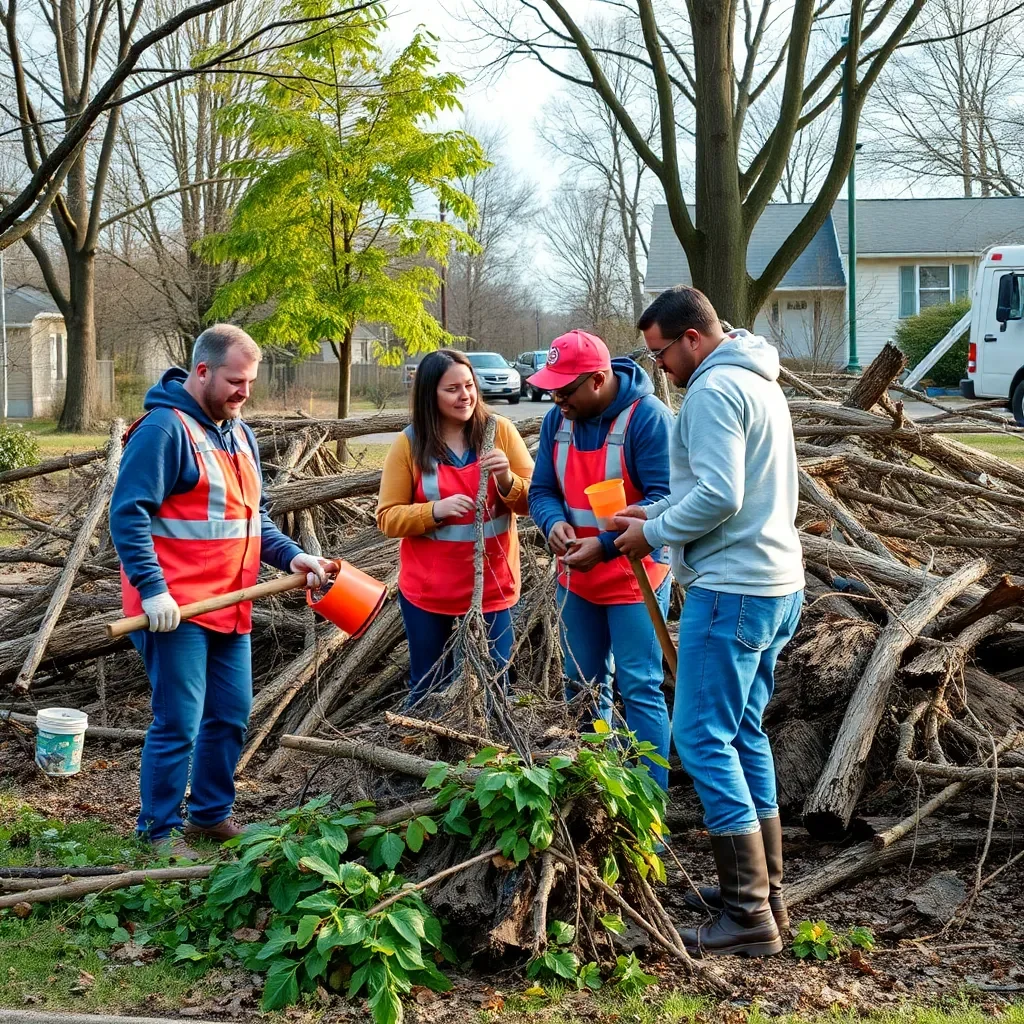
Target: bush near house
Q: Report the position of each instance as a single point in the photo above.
(918, 335)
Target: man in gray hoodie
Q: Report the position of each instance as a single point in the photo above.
(729, 522)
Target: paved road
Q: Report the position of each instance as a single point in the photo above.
(527, 410)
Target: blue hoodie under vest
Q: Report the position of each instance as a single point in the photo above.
(646, 450)
(158, 461)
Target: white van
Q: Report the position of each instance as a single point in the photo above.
(995, 359)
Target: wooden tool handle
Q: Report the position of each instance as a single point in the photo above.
(122, 627)
(654, 610)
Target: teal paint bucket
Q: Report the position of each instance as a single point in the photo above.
(60, 737)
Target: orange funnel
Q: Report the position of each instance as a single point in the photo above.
(607, 499)
(352, 601)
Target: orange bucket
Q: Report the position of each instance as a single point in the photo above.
(607, 499)
(352, 601)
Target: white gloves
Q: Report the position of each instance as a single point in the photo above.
(316, 572)
(163, 612)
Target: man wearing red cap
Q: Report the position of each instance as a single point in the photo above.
(606, 424)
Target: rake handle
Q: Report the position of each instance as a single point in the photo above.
(295, 580)
(654, 611)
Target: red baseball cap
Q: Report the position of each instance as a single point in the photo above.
(569, 356)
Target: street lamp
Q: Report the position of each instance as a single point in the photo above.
(853, 366)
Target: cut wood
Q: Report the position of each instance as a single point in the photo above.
(79, 549)
(875, 380)
(830, 805)
(56, 465)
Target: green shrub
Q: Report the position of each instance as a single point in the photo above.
(17, 448)
(918, 335)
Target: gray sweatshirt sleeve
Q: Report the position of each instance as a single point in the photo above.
(716, 445)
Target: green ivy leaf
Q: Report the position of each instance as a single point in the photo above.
(414, 835)
(321, 867)
(610, 870)
(308, 925)
(281, 987)
(284, 890)
(390, 849)
(613, 923)
(436, 776)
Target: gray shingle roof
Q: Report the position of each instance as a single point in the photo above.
(25, 303)
(959, 226)
(905, 226)
(818, 266)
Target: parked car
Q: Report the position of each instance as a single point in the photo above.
(497, 376)
(527, 364)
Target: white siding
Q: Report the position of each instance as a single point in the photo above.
(878, 298)
(19, 372)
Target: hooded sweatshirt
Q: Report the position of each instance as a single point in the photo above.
(646, 450)
(158, 461)
(730, 519)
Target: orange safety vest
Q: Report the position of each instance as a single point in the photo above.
(609, 582)
(436, 569)
(207, 540)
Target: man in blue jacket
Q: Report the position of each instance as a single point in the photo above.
(606, 424)
(189, 521)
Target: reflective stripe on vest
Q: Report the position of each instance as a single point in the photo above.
(216, 526)
(613, 461)
(466, 532)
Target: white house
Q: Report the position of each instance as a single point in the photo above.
(36, 352)
(911, 253)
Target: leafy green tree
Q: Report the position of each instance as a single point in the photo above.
(332, 230)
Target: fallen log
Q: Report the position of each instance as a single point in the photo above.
(937, 842)
(300, 494)
(93, 732)
(97, 507)
(874, 382)
(61, 462)
(831, 803)
(84, 886)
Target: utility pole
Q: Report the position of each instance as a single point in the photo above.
(853, 366)
(537, 315)
(444, 285)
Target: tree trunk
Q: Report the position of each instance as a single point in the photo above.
(344, 385)
(830, 806)
(720, 267)
(80, 393)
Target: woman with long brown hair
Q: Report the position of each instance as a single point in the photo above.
(428, 498)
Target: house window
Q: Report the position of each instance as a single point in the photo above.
(927, 285)
(58, 357)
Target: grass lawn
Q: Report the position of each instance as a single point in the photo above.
(1005, 446)
(53, 442)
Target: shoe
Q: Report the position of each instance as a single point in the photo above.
(709, 898)
(221, 832)
(174, 848)
(746, 926)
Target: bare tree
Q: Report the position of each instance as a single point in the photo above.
(811, 153)
(584, 238)
(708, 65)
(72, 67)
(582, 128)
(949, 110)
(170, 183)
(485, 290)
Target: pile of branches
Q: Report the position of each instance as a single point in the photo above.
(899, 696)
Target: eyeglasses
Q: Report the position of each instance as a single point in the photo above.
(655, 354)
(563, 393)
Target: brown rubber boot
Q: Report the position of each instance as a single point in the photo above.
(707, 898)
(221, 832)
(746, 926)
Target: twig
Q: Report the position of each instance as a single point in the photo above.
(453, 870)
(84, 886)
(446, 732)
(75, 558)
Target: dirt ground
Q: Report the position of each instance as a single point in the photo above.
(916, 959)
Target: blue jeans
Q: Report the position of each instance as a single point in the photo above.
(430, 666)
(202, 696)
(602, 641)
(728, 647)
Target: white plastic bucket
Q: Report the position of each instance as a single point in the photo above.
(60, 737)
